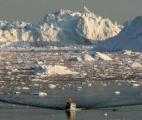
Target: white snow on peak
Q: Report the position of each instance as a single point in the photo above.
(130, 38)
(62, 27)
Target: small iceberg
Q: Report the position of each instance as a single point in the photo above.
(59, 70)
(88, 58)
(104, 56)
(40, 94)
(136, 65)
(52, 86)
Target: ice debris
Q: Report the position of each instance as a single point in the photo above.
(60, 70)
(103, 56)
(52, 86)
(136, 65)
(117, 92)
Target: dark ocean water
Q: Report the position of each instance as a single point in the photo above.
(99, 98)
(8, 112)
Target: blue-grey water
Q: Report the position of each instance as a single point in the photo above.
(23, 113)
(98, 94)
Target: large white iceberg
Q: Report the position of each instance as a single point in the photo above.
(130, 38)
(62, 27)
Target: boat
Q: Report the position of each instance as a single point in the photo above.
(71, 105)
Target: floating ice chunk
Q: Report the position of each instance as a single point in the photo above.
(17, 92)
(136, 65)
(40, 62)
(42, 94)
(63, 88)
(25, 88)
(135, 85)
(127, 52)
(103, 56)
(52, 86)
(88, 57)
(79, 59)
(117, 92)
(13, 105)
(105, 114)
(15, 70)
(9, 73)
(60, 70)
(104, 84)
(18, 88)
(79, 88)
(69, 85)
(36, 80)
(89, 84)
(36, 84)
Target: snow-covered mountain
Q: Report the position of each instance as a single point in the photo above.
(62, 27)
(130, 38)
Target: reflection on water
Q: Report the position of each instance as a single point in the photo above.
(8, 112)
(71, 115)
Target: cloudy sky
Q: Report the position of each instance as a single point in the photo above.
(34, 10)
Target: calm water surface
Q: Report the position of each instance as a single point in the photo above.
(99, 94)
(8, 112)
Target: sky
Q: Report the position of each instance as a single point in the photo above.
(35, 10)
